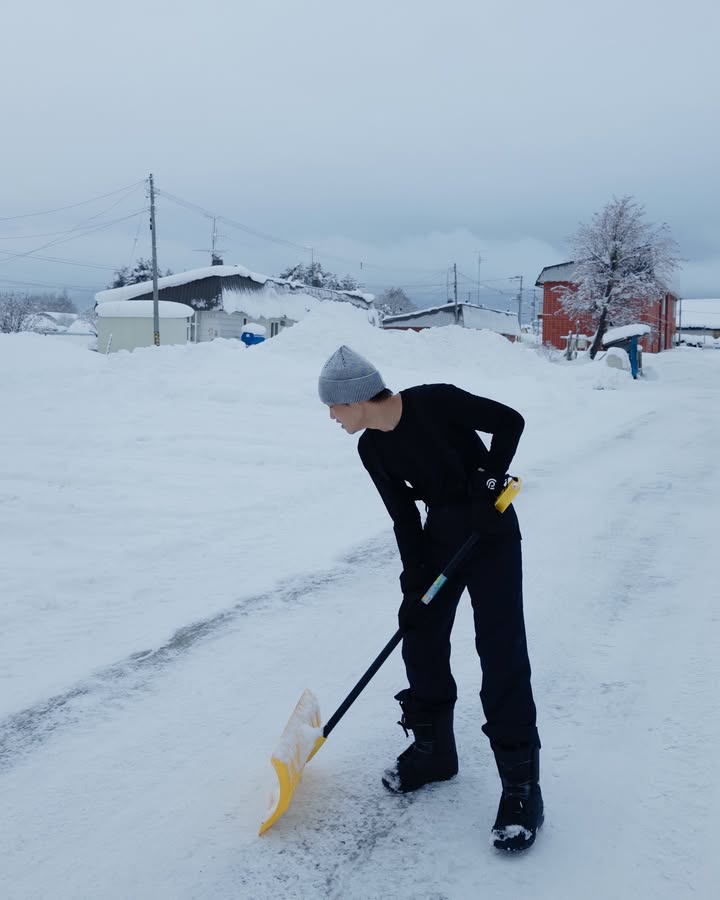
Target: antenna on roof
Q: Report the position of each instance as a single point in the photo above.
(215, 257)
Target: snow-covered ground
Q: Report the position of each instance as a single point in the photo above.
(188, 542)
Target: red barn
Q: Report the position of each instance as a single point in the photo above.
(557, 325)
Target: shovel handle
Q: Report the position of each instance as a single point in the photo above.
(398, 636)
(505, 498)
(360, 686)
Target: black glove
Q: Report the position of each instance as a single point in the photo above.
(486, 488)
(413, 584)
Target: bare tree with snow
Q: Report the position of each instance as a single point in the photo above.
(17, 312)
(392, 301)
(314, 275)
(142, 271)
(623, 265)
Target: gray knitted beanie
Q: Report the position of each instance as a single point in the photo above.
(348, 377)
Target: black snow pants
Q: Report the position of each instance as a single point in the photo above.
(493, 577)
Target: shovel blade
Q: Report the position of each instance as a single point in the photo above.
(302, 737)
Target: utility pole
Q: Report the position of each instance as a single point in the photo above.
(457, 316)
(156, 305)
(520, 299)
(679, 324)
(479, 261)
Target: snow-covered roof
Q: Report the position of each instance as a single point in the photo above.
(143, 309)
(269, 304)
(698, 313)
(444, 308)
(625, 331)
(128, 291)
(473, 316)
(560, 272)
(361, 295)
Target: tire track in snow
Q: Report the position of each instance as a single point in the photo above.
(29, 728)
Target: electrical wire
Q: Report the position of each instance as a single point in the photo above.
(72, 287)
(135, 242)
(48, 212)
(68, 262)
(277, 240)
(70, 230)
(82, 229)
(84, 232)
(232, 223)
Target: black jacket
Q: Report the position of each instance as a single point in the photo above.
(433, 454)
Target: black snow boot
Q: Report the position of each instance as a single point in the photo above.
(520, 813)
(432, 755)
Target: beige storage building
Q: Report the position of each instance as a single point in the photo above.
(125, 325)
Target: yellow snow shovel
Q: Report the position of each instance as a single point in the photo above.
(304, 734)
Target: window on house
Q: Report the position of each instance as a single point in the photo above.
(274, 328)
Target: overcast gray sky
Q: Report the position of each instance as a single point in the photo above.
(406, 136)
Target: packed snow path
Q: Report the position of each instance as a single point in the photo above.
(148, 777)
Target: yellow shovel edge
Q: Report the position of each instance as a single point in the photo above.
(293, 755)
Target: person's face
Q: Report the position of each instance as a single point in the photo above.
(349, 415)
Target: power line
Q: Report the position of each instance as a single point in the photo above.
(232, 223)
(73, 228)
(137, 236)
(67, 262)
(73, 287)
(368, 265)
(293, 245)
(27, 237)
(84, 232)
(48, 212)
(419, 288)
(489, 285)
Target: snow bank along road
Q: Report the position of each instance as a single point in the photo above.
(148, 779)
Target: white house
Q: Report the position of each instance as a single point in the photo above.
(226, 298)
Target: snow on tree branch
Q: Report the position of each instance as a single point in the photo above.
(623, 265)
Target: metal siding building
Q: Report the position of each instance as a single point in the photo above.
(226, 298)
(466, 315)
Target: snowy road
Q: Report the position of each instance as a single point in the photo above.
(148, 778)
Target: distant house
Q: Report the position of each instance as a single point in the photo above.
(698, 322)
(466, 315)
(557, 326)
(226, 298)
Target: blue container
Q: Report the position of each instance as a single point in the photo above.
(248, 338)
